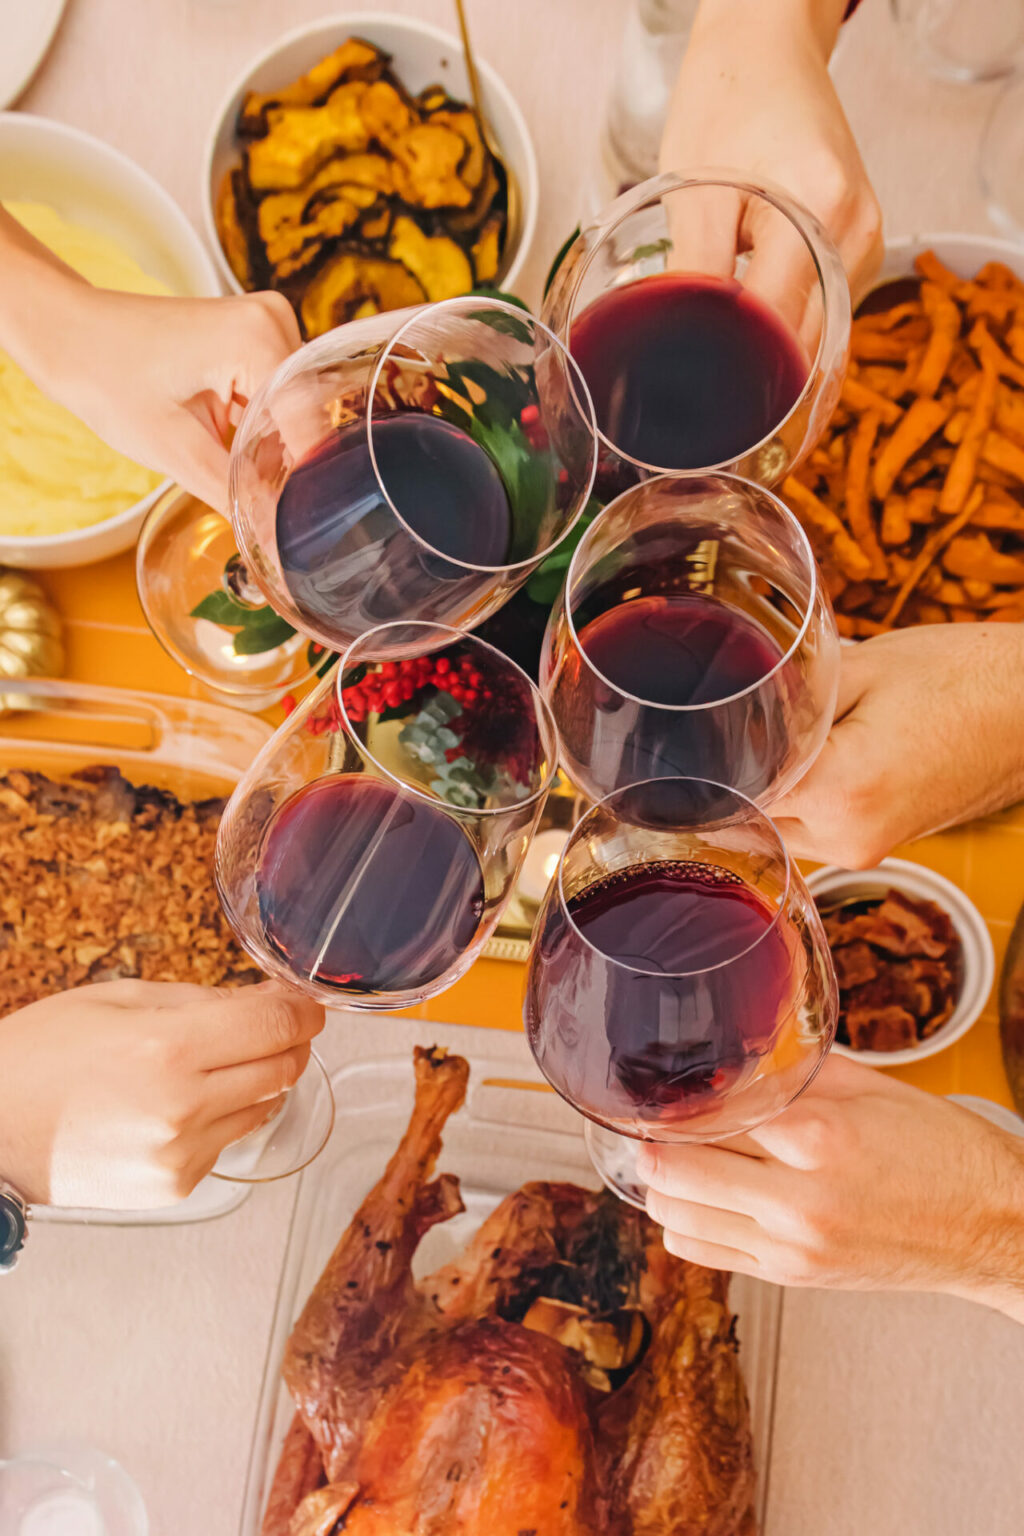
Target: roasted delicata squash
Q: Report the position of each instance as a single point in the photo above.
(486, 250)
(352, 285)
(232, 234)
(427, 167)
(474, 161)
(352, 196)
(299, 139)
(353, 59)
(440, 266)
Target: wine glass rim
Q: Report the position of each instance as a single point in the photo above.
(545, 721)
(798, 217)
(576, 380)
(783, 661)
(702, 970)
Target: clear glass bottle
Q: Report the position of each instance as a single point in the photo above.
(651, 51)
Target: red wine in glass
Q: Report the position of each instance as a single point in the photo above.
(685, 371)
(688, 983)
(342, 550)
(677, 651)
(365, 888)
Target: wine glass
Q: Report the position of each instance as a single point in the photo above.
(680, 986)
(965, 43)
(1001, 160)
(411, 465)
(693, 637)
(367, 855)
(711, 319)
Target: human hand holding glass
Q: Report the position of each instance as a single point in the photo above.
(412, 465)
(693, 637)
(679, 987)
(704, 347)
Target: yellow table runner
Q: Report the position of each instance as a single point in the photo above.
(108, 642)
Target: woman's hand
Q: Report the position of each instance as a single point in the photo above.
(754, 94)
(928, 732)
(160, 379)
(863, 1183)
(124, 1094)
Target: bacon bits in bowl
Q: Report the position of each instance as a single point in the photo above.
(913, 958)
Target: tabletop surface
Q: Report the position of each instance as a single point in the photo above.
(150, 1342)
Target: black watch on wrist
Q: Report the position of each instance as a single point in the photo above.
(13, 1226)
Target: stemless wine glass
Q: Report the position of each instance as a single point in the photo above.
(693, 637)
(369, 852)
(411, 465)
(679, 986)
(711, 318)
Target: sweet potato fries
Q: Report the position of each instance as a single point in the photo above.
(914, 499)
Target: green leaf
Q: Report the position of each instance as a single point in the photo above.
(221, 608)
(655, 248)
(485, 291)
(545, 584)
(262, 637)
(505, 325)
(321, 659)
(562, 254)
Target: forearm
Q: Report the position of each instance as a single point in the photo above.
(39, 298)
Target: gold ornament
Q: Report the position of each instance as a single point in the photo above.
(31, 643)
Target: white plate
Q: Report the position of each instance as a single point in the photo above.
(26, 32)
(979, 960)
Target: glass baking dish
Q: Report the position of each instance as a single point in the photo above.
(512, 1129)
(192, 749)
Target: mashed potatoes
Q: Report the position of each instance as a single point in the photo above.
(56, 475)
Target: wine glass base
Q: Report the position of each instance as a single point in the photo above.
(291, 1140)
(182, 553)
(614, 1158)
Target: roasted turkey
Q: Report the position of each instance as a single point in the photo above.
(564, 1377)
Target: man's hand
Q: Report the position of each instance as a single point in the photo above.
(928, 732)
(863, 1183)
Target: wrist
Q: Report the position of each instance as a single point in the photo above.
(994, 1272)
(800, 22)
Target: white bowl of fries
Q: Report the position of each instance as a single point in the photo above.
(914, 498)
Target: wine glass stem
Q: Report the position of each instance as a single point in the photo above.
(240, 586)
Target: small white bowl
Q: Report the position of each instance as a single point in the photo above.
(421, 55)
(979, 961)
(97, 187)
(963, 254)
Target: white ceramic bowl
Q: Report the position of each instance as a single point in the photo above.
(421, 55)
(979, 961)
(963, 254)
(95, 186)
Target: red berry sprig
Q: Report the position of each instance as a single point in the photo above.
(395, 683)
